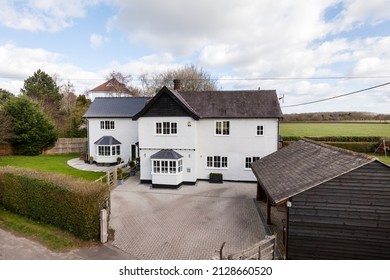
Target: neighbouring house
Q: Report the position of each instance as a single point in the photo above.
(111, 131)
(337, 201)
(110, 88)
(186, 136)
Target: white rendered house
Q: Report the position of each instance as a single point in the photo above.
(111, 131)
(185, 136)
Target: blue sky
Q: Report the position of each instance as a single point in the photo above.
(290, 46)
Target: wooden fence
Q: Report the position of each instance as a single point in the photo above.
(67, 146)
(5, 149)
(263, 250)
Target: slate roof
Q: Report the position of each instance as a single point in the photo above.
(111, 85)
(302, 166)
(166, 154)
(107, 141)
(234, 104)
(224, 104)
(115, 107)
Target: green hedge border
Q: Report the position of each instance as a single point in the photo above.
(68, 203)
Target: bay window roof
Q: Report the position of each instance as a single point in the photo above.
(166, 154)
(107, 141)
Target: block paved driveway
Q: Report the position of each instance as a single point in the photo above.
(189, 223)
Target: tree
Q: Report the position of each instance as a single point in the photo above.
(6, 131)
(76, 123)
(192, 79)
(33, 131)
(122, 84)
(5, 95)
(68, 97)
(43, 89)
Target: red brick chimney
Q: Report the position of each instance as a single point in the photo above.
(176, 84)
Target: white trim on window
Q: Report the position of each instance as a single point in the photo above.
(108, 150)
(248, 161)
(222, 128)
(107, 125)
(167, 167)
(260, 130)
(217, 162)
(165, 128)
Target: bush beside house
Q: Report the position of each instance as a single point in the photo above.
(71, 204)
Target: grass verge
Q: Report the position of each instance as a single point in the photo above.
(50, 163)
(48, 235)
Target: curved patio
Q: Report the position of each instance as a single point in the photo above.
(81, 165)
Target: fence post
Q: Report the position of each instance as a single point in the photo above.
(103, 226)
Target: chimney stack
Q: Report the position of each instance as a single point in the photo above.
(176, 84)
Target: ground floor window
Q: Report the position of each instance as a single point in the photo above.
(217, 162)
(249, 160)
(167, 166)
(109, 150)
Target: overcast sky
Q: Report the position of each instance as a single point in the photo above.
(290, 46)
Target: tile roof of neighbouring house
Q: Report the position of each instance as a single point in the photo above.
(304, 165)
(234, 104)
(166, 154)
(115, 107)
(107, 141)
(111, 85)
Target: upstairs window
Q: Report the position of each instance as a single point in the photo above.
(166, 128)
(108, 125)
(260, 130)
(249, 160)
(222, 128)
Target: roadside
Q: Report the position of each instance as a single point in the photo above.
(15, 247)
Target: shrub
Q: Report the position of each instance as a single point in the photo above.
(65, 202)
(359, 147)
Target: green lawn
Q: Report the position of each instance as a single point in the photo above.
(49, 163)
(334, 129)
(384, 159)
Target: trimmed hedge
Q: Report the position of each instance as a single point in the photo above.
(336, 138)
(71, 204)
(359, 147)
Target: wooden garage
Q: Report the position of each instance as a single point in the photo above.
(337, 201)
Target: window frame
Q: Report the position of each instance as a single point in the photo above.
(107, 125)
(167, 167)
(165, 128)
(222, 128)
(217, 162)
(260, 130)
(108, 150)
(249, 160)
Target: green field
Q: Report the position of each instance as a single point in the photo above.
(49, 163)
(334, 129)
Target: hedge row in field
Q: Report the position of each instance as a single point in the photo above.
(375, 139)
(359, 147)
(71, 204)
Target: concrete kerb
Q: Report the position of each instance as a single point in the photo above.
(81, 165)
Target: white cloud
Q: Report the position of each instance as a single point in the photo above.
(97, 40)
(42, 15)
(20, 63)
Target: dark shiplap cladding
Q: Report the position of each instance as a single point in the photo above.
(165, 106)
(345, 218)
